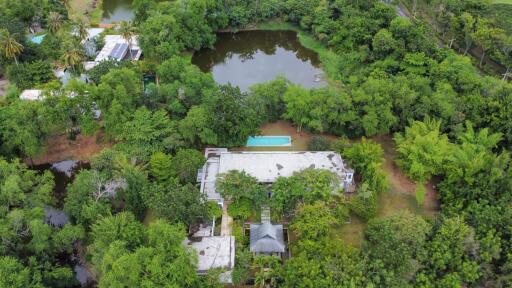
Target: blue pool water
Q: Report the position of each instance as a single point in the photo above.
(37, 39)
(269, 141)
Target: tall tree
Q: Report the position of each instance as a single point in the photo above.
(9, 45)
(127, 31)
(54, 21)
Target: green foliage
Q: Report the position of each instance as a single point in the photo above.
(306, 186)
(214, 209)
(324, 263)
(367, 158)
(148, 132)
(242, 209)
(420, 193)
(31, 248)
(177, 203)
(183, 85)
(238, 186)
(364, 204)
(103, 68)
(14, 274)
(453, 256)
(160, 166)
(268, 270)
(185, 164)
(81, 204)
(392, 244)
(160, 259)
(318, 143)
(230, 117)
(22, 130)
(121, 227)
(422, 150)
(269, 98)
(313, 221)
(29, 76)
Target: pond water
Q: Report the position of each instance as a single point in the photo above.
(117, 11)
(250, 57)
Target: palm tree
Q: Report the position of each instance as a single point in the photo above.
(81, 30)
(72, 57)
(127, 31)
(268, 273)
(54, 22)
(9, 45)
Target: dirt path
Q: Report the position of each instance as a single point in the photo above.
(397, 180)
(60, 148)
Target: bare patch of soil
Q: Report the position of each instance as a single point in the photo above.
(60, 148)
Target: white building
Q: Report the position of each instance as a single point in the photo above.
(116, 47)
(31, 94)
(215, 252)
(267, 166)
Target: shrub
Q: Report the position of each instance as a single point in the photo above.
(318, 143)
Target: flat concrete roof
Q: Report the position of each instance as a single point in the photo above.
(215, 252)
(268, 166)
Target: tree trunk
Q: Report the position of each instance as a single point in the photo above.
(16, 60)
(468, 46)
(482, 58)
(130, 49)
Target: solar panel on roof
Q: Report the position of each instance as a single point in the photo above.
(119, 51)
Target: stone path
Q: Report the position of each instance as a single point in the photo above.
(226, 225)
(265, 214)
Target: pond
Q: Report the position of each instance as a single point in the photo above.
(250, 57)
(117, 11)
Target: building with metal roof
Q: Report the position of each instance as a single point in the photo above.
(266, 238)
(116, 47)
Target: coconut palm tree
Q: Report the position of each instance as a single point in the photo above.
(72, 58)
(268, 273)
(81, 30)
(127, 31)
(54, 22)
(8, 44)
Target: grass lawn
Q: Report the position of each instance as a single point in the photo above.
(502, 1)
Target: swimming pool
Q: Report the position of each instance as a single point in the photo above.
(37, 39)
(269, 141)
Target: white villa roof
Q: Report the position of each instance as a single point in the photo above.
(215, 252)
(268, 166)
(31, 94)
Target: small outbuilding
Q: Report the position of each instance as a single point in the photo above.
(267, 239)
(215, 252)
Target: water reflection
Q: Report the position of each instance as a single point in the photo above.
(117, 11)
(251, 57)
